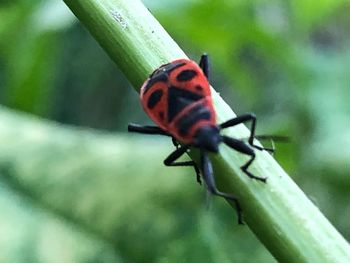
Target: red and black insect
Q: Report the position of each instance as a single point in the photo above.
(177, 98)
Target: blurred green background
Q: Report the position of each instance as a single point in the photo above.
(75, 187)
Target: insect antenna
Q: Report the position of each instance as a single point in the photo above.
(208, 177)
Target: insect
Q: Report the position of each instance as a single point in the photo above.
(177, 97)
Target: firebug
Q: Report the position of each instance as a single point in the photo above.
(177, 97)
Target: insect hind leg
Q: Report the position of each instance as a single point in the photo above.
(204, 65)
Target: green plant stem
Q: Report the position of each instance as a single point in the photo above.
(278, 212)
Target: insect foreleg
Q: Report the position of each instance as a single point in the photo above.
(171, 160)
(132, 127)
(244, 148)
(242, 119)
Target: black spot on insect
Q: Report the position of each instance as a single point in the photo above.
(186, 75)
(162, 77)
(168, 68)
(154, 98)
(199, 88)
(178, 99)
(161, 115)
(195, 115)
(161, 74)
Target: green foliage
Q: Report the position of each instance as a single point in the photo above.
(61, 188)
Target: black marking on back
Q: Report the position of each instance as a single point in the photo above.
(168, 68)
(196, 114)
(161, 115)
(161, 74)
(178, 99)
(154, 98)
(199, 88)
(186, 75)
(161, 77)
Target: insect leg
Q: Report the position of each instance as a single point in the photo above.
(244, 148)
(204, 65)
(170, 161)
(209, 179)
(132, 127)
(151, 130)
(175, 143)
(273, 139)
(241, 119)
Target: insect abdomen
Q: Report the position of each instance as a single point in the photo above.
(177, 98)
